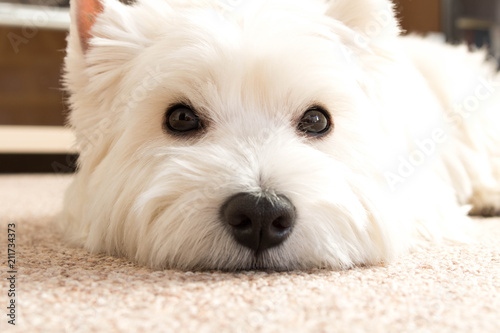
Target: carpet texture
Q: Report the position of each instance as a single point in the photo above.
(448, 288)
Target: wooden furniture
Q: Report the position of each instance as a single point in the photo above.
(32, 108)
(421, 16)
(32, 53)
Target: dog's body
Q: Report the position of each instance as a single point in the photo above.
(273, 134)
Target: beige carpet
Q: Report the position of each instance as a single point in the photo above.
(451, 288)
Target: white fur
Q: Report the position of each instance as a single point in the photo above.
(251, 69)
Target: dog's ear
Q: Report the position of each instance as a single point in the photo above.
(104, 36)
(85, 14)
(373, 19)
(107, 23)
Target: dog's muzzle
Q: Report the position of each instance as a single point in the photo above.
(259, 222)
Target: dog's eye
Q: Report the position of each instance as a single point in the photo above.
(315, 121)
(182, 119)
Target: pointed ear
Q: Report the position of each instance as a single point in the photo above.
(373, 19)
(86, 14)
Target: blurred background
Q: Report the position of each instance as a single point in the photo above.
(32, 43)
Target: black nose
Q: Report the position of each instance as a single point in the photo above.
(259, 222)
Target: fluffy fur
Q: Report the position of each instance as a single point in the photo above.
(415, 143)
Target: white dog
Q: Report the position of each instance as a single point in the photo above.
(272, 134)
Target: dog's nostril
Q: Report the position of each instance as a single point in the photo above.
(241, 222)
(258, 222)
(281, 223)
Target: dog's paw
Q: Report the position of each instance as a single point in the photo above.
(489, 211)
(485, 202)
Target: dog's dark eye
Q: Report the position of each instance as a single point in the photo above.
(315, 122)
(182, 119)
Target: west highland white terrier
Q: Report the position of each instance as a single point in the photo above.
(273, 134)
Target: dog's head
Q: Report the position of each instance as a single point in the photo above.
(230, 134)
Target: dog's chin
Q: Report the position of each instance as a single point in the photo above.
(269, 261)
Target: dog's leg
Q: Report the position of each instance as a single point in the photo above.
(468, 89)
(485, 199)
